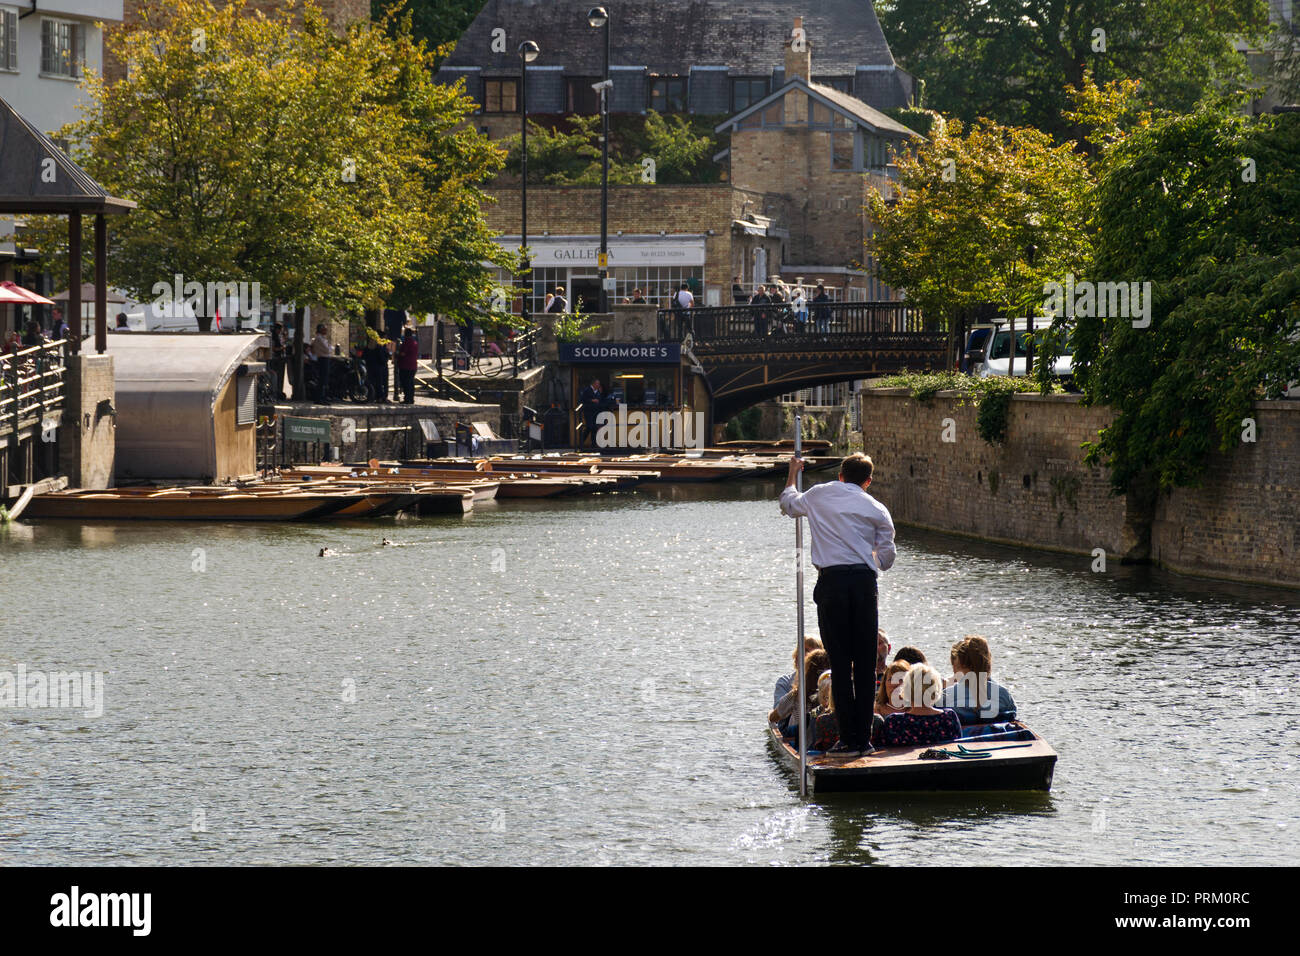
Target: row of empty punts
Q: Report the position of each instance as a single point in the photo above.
(426, 487)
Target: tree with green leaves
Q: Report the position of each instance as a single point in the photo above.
(438, 23)
(1012, 60)
(326, 168)
(568, 154)
(1206, 207)
(982, 216)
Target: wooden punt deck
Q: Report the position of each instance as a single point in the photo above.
(183, 505)
(668, 468)
(898, 769)
(508, 484)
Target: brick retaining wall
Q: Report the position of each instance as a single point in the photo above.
(1035, 490)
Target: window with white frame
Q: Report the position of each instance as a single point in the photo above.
(657, 284)
(63, 47)
(8, 39)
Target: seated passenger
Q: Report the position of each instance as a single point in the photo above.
(920, 724)
(889, 699)
(824, 730)
(910, 655)
(786, 681)
(882, 655)
(786, 712)
(972, 692)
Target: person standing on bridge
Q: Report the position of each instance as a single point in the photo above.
(822, 314)
(852, 542)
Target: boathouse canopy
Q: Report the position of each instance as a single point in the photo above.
(38, 177)
(186, 404)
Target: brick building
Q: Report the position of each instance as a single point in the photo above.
(805, 148)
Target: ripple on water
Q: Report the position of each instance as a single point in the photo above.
(599, 698)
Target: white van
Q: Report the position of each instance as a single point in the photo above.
(988, 349)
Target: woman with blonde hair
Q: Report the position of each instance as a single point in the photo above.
(889, 698)
(920, 723)
(972, 692)
(825, 725)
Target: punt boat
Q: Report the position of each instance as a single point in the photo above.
(428, 497)
(668, 467)
(508, 484)
(1016, 760)
(222, 504)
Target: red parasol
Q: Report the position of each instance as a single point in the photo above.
(13, 292)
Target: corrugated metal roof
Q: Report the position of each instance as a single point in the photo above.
(167, 388)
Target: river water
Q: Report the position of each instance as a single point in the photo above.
(585, 682)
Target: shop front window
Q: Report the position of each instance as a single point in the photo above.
(656, 284)
(642, 387)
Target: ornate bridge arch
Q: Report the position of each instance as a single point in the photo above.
(747, 356)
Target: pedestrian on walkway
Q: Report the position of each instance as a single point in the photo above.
(822, 314)
(321, 354)
(408, 360)
(760, 300)
(279, 355)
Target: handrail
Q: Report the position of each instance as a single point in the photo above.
(524, 349)
(41, 366)
(775, 320)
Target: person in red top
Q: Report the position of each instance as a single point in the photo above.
(408, 360)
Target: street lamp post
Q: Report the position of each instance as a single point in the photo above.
(598, 18)
(528, 52)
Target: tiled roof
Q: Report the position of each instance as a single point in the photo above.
(849, 105)
(671, 36)
(860, 110)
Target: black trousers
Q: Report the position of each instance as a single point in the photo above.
(407, 377)
(847, 618)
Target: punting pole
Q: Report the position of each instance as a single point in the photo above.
(800, 676)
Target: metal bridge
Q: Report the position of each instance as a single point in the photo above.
(751, 353)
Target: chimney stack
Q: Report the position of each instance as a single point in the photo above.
(798, 62)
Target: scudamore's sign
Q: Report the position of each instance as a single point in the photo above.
(666, 353)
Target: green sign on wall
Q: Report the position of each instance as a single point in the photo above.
(307, 429)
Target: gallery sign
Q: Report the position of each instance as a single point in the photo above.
(564, 251)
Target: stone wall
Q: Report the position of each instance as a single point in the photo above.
(88, 433)
(1035, 490)
(1244, 521)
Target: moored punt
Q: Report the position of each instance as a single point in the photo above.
(773, 446)
(668, 467)
(435, 496)
(1020, 760)
(506, 484)
(776, 461)
(185, 505)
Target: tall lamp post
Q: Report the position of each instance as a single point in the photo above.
(528, 52)
(598, 18)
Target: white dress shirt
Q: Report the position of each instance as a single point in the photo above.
(848, 525)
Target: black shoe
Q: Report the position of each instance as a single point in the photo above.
(842, 749)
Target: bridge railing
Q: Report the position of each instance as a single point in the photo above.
(734, 323)
(31, 384)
